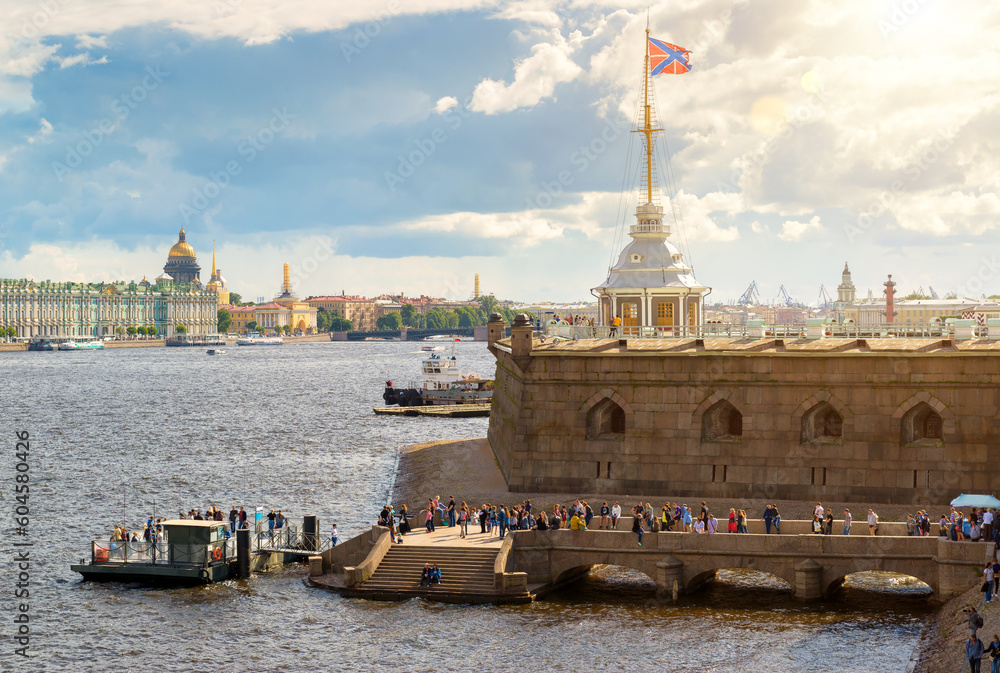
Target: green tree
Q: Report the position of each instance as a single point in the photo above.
(408, 314)
(131, 330)
(235, 299)
(119, 331)
(181, 329)
(225, 320)
(252, 326)
(287, 329)
(489, 304)
(322, 320)
(339, 324)
(141, 330)
(151, 330)
(389, 321)
(11, 332)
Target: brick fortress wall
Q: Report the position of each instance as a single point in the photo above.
(555, 425)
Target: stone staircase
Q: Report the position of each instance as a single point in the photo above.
(466, 576)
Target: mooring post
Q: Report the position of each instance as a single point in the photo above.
(310, 532)
(243, 553)
(669, 574)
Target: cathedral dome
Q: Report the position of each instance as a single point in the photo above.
(182, 248)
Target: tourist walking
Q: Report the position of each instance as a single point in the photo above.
(872, 522)
(429, 520)
(829, 523)
(334, 538)
(847, 522)
(741, 522)
(451, 511)
(463, 520)
(988, 581)
(994, 651)
(777, 519)
(502, 521)
(732, 520)
(974, 652)
(768, 518)
(270, 520)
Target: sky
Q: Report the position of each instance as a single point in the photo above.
(390, 146)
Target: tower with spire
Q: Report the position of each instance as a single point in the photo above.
(846, 290)
(217, 283)
(651, 288)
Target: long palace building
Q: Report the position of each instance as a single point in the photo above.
(54, 309)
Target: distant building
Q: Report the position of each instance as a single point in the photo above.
(845, 291)
(47, 309)
(218, 284)
(286, 309)
(359, 310)
(182, 264)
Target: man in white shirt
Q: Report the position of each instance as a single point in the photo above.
(713, 524)
(988, 524)
(819, 511)
(872, 522)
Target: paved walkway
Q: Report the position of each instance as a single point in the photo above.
(448, 536)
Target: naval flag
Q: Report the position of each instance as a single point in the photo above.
(668, 58)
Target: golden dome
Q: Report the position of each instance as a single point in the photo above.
(182, 248)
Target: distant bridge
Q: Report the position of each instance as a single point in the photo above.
(814, 565)
(412, 334)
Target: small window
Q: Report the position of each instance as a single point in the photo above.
(721, 421)
(921, 424)
(606, 420)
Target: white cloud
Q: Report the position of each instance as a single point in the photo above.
(444, 104)
(793, 231)
(44, 131)
(535, 78)
(528, 228)
(91, 41)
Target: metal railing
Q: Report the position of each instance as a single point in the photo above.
(777, 331)
(289, 539)
(162, 553)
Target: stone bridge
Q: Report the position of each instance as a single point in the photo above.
(814, 565)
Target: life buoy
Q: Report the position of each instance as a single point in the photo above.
(217, 554)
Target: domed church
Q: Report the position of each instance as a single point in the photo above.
(182, 265)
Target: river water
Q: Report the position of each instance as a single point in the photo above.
(129, 432)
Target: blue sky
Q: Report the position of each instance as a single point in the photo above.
(387, 147)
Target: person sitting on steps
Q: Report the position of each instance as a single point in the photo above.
(425, 576)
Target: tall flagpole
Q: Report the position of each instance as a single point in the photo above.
(647, 127)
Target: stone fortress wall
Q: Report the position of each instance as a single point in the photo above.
(888, 420)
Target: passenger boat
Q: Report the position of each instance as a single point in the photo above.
(442, 383)
(216, 351)
(432, 348)
(196, 340)
(41, 345)
(81, 344)
(192, 552)
(259, 341)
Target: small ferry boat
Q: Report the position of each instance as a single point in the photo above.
(432, 348)
(81, 344)
(442, 383)
(197, 340)
(192, 552)
(42, 345)
(216, 351)
(260, 341)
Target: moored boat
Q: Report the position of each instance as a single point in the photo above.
(260, 341)
(442, 383)
(197, 340)
(81, 344)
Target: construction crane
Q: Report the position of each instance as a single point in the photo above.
(934, 295)
(751, 296)
(784, 296)
(824, 297)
